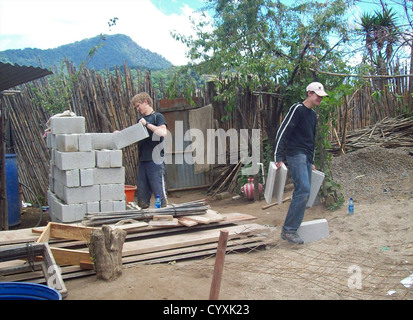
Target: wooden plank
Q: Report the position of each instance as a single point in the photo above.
(64, 257)
(188, 239)
(187, 222)
(198, 219)
(164, 223)
(45, 235)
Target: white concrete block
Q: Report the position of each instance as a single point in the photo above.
(86, 177)
(275, 183)
(314, 230)
(81, 194)
(50, 140)
(130, 135)
(112, 192)
(110, 175)
(67, 142)
(102, 141)
(74, 160)
(67, 125)
(85, 142)
(317, 178)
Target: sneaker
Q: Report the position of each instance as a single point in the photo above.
(291, 237)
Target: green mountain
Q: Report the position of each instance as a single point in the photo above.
(111, 51)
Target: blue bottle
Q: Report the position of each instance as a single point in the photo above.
(351, 206)
(157, 202)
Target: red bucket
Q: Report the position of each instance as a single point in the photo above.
(130, 193)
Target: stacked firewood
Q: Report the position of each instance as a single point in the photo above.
(388, 133)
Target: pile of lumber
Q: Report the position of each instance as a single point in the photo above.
(226, 181)
(146, 242)
(388, 133)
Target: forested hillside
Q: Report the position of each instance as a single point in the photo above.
(111, 51)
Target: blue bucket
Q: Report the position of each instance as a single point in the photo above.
(27, 291)
(12, 187)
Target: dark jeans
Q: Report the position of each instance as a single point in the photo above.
(301, 170)
(151, 180)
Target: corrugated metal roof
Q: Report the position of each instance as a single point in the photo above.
(14, 75)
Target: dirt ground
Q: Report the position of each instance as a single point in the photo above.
(365, 257)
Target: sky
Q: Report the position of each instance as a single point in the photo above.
(46, 24)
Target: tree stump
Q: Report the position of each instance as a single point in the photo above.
(106, 252)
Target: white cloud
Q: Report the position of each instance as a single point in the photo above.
(50, 23)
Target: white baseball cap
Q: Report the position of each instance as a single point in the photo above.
(318, 88)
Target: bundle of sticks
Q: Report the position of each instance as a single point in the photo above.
(388, 133)
(196, 207)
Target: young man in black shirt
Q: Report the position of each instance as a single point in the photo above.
(295, 141)
(151, 175)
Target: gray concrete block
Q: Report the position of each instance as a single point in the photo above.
(112, 192)
(69, 178)
(102, 141)
(60, 212)
(130, 135)
(67, 125)
(81, 194)
(74, 160)
(85, 142)
(103, 158)
(106, 206)
(67, 142)
(109, 175)
(314, 230)
(86, 177)
(92, 206)
(119, 205)
(116, 157)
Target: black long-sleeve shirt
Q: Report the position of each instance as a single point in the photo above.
(296, 133)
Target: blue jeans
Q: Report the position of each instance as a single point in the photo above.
(151, 180)
(301, 170)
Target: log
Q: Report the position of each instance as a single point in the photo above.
(106, 252)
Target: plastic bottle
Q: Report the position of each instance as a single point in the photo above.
(157, 202)
(351, 206)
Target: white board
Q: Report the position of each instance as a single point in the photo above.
(274, 186)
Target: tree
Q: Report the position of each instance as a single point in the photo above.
(265, 45)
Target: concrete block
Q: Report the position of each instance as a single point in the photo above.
(112, 192)
(314, 230)
(74, 160)
(119, 205)
(102, 141)
(108, 158)
(67, 142)
(130, 135)
(81, 194)
(106, 206)
(103, 158)
(69, 178)
(60, 212)
(93, 206)
(317, 178)
(67, 125)
(116, 157)
(50, 140)
(85, 142)
(110, 175)
(275, 183)
(86, 177)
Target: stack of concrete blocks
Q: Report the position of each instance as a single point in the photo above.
(86, 169)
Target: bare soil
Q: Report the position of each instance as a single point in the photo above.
(365, 256)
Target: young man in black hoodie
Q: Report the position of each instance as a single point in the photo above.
(295, 142)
